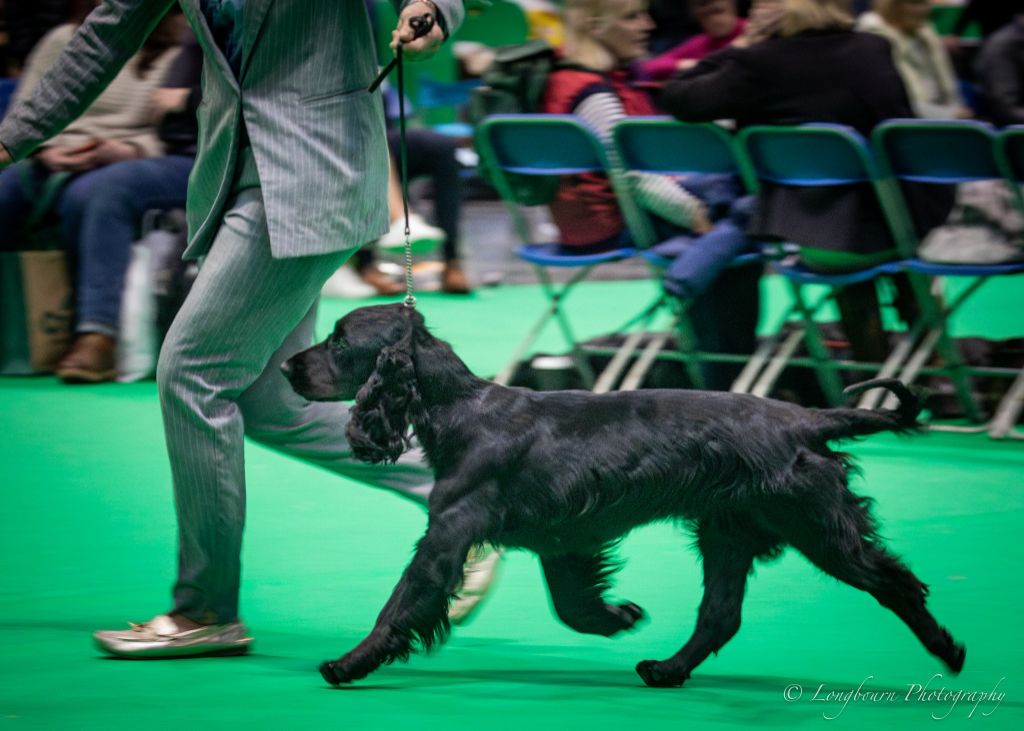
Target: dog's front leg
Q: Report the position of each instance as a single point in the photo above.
(418, 608)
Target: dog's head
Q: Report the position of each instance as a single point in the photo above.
(369, 358)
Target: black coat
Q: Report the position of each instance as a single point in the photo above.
(1001, 75)
(841, 77)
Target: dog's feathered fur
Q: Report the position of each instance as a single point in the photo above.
(566, 474)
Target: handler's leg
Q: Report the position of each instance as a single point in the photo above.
(242, 306)
(219, 378)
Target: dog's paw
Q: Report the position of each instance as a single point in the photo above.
(658, 674)
(955, 660)
(627, 613)
(334, 673)
(344, 670)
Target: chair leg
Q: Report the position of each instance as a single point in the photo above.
(935, 318)
(766, 355)
(505, 376)
(558, 296)
(555, 295)
(610, 375)
(764, 385)
(1003, 423)
(688, 347)
(824, 368)
(643, 364)
(893, 364)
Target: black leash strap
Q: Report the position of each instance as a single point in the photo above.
(421, 25)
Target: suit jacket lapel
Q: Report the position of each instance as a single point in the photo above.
(253, 13)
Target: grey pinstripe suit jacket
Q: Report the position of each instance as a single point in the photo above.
(316, 133)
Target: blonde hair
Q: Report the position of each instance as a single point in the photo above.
(804, 15)
(584, 21)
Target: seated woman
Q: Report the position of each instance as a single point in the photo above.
(812, 67)
(603, 38)
(920, 57)
(118, 126)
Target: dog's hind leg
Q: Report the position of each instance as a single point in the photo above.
(728, 558)
(418, 607)
(844, 545)
(577, 584)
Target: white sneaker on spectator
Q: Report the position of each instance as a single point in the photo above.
(423, 237)
(347, 284)
(477, 576)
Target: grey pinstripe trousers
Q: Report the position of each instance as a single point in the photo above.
(219, 380)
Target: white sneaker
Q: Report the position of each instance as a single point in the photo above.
(347, 284)
(477, 576)
(423, 237)
(161, 637)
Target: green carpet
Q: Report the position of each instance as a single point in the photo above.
(87, 541)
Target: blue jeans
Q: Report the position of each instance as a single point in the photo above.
(100, 212)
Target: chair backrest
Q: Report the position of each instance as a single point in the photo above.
(548, 144)
(539, 144)
(808, 155)
(817, 155)
(937, 151)
(664, 145)
(1010, 152)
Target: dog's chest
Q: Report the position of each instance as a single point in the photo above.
(561, 532)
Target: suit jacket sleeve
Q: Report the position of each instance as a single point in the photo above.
(719, 87)
(93, 57)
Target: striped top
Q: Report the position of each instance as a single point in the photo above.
(123, 112)
(585, 209)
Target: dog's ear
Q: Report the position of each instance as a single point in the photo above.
(385, 406)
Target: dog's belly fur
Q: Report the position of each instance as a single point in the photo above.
(579, 522)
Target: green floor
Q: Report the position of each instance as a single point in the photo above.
(87, 541)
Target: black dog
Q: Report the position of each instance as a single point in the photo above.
(566, 474)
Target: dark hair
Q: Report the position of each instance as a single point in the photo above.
(164, 37)
(78, 9)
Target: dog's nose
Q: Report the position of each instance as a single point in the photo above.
(286, 368)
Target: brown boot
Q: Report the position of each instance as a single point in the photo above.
(90, 360)
(453, 279)
(380, 281)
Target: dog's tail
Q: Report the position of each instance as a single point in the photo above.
(850, 423)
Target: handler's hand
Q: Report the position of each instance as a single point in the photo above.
(424, 47)
(5, 158)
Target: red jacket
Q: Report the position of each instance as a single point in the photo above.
(585, 208)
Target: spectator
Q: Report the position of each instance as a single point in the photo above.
(813, 68)
(101, 224)
(430, 154)
(117, 126)
(920, 57)
(1000, 69)
(603, 38)
(720, 24)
